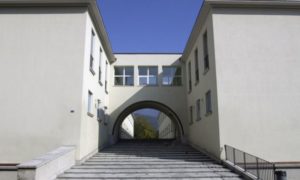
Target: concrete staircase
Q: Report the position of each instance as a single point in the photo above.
(149, 160)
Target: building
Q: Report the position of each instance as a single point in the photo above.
(166, 128)
(127, 128)
(236, 83)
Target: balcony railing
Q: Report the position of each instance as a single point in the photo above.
(257, 167)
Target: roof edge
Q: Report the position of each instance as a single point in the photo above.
(91, 5)
(209, 4)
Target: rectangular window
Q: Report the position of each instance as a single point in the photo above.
(191, 115)
(198, 109)
(196, 66)
(92, 52)
(172, 76)
(100, 65)
(148, 75)
(190, 76)
(106, 76)
(208, 103)
(205, 52)
(90, 103)
(124, 75)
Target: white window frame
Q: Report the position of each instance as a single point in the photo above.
(175, 76)
(191, 111)
(147, 76)
(123, 76)
(100, 67)
(92, 59)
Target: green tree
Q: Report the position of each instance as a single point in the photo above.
(143, 129)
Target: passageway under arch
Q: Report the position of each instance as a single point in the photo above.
(148, 105)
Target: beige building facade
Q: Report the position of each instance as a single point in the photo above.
(236, 82)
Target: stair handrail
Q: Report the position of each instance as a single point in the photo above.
(257, 167)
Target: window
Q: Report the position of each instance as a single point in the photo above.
(106, 76)
(148, 75)
(191, 115)
(90, 102)
(205, 52)
(208, 103)
(190, 76)
(196, 66)
(171, 76)
(124, 75)
(100, 65)
(198, 109)
(92, 53)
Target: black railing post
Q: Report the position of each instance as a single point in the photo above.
(245, 164)
(257, 168)
(274, 170)
(233, 151)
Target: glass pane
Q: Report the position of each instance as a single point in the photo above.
(153, 71)
(176, 81)
(165, 81)
(118, 70)
(129, 71)
(118, 80)
(129, 81)
(142, 71)
(152, 80)
(167, 71)
(143, 81)
(178, 71)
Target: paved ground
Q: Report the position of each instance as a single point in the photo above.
(149, 160)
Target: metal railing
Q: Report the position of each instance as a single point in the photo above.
(259, 168)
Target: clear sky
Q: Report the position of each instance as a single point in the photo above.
(157, 26)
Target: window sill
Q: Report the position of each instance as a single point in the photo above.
(100, 83)
(198, 119)
(123, 85)
(197, 82)
(208, 114)
(190, 91)
(90, 114)
(205, 71)
(92, 71)
(148, 85)
(106, 92)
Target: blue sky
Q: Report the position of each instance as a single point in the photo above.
(153, 26)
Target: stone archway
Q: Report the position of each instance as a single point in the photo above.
(148, 104)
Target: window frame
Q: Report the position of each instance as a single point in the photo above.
(123, 76)
(198, 109)
(208, 103)
(175, 76)
(196, 59)
(100, 67)
(147, 76)
(191, 112)
(190, 88)
(205, 52)
(91, 65)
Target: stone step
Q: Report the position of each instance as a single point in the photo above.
(150, 178)
(153, 163)
(139, 166)
(147, 170)
(148, 159)
(153, 175)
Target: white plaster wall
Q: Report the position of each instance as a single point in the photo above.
(123, 96)
(258, 70)
(92, 133)
(204, 133)
(41, 60)
(128, 127)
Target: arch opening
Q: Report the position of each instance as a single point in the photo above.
(148, 120)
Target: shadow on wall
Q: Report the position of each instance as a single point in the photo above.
(169, 99)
